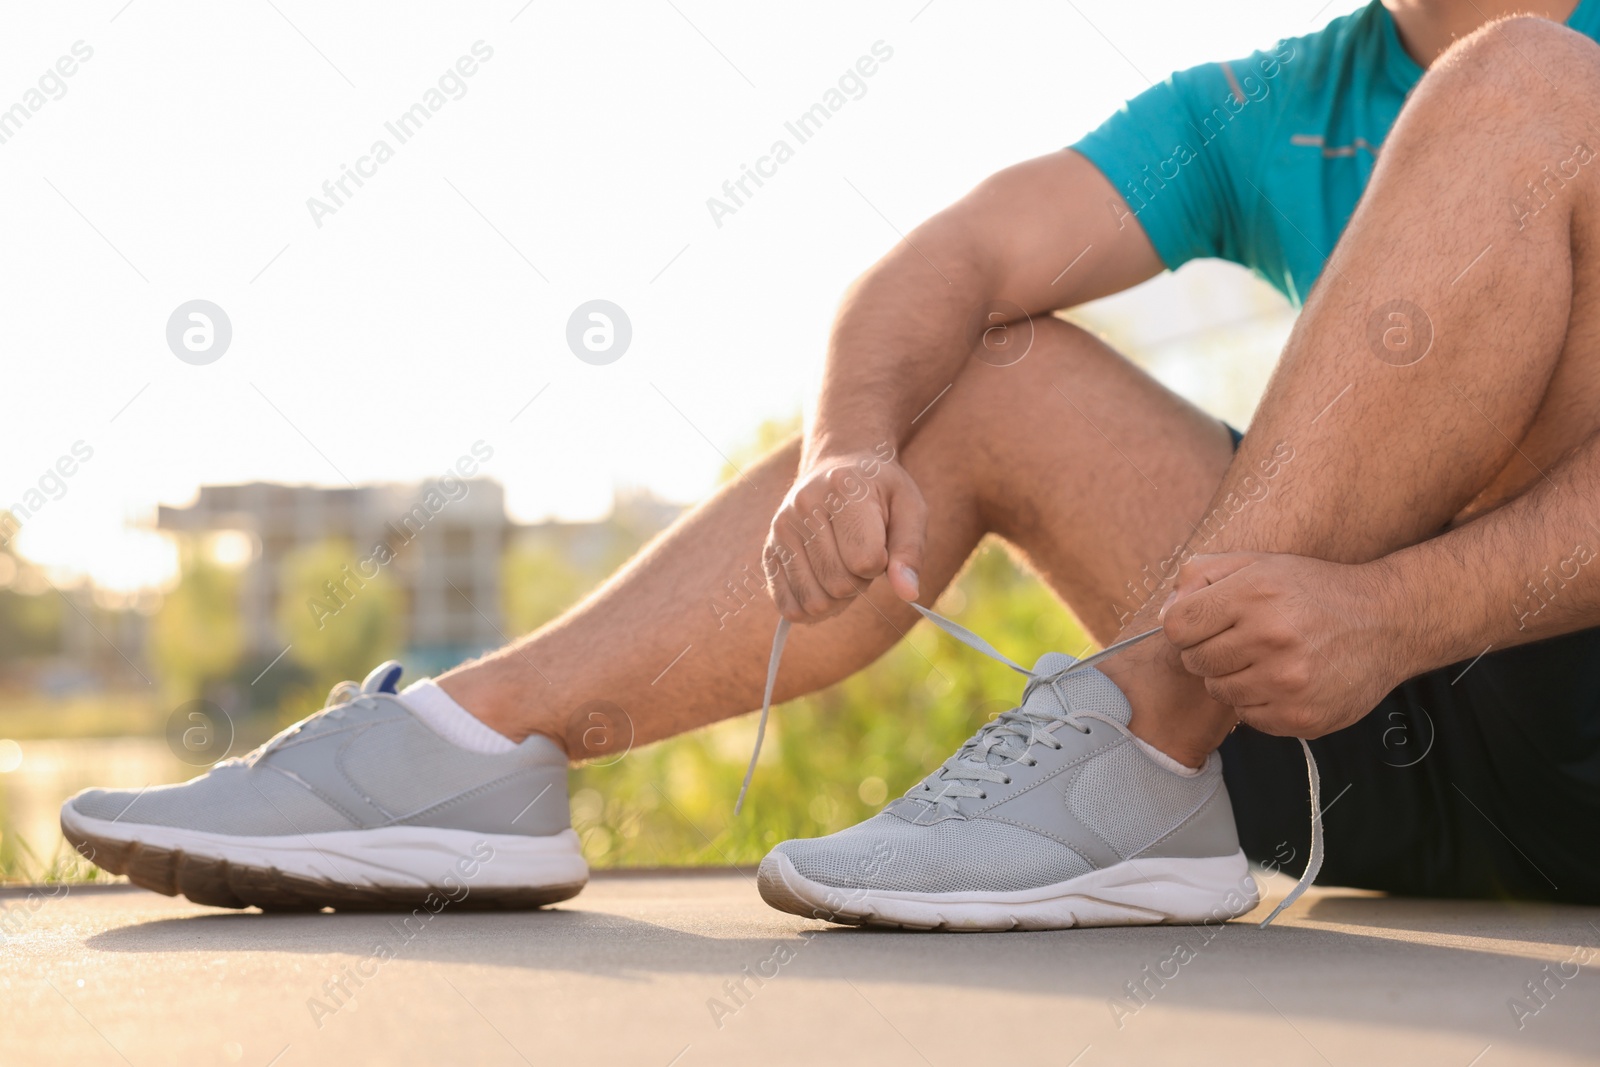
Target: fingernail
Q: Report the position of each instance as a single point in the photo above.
(911, 576)
(1167, 603)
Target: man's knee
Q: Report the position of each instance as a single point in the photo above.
(1520, 61)
(1510, 103)
(1027, 353)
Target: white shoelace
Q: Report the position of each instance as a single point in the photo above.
(997, 736)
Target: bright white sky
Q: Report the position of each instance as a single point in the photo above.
(407, 327)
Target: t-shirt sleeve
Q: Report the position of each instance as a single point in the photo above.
(1181, 152)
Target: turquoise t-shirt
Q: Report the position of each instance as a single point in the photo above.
(1261, 160)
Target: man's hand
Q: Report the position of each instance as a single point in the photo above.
(1297, 646)
(847, 520)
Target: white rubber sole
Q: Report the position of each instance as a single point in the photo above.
(388, 867)
(1141, 892)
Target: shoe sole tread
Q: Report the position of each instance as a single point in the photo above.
(220, 883)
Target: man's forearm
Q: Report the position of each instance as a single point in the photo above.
(1522, 572)
(898, 340)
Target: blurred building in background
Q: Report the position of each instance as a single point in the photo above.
(446, 553)
(445, 560)
(636, 516)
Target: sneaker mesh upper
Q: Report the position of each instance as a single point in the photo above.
(1130, 802)
(356, 766)
(385, 767)
(234, 799)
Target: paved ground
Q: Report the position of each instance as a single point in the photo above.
(640, 970)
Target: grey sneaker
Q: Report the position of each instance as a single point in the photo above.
(1051, 816)
(359, 806)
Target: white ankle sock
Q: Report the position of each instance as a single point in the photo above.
(1165, 760)
(451, 721)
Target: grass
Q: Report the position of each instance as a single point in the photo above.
(20, 864)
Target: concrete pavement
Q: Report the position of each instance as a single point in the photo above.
(688, 969)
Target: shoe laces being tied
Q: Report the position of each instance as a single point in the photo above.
(1009, 738)
(339, 697)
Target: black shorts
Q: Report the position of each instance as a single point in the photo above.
(1478, 780)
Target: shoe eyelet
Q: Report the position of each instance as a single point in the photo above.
(983, 796)
(1007, 781)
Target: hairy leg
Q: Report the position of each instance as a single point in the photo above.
(680, 636)
(1384, 452)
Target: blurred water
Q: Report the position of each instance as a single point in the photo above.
(52, 770)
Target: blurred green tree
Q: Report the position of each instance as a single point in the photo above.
(30, 615)
(769, 435)
(539, 583)
(196, 639)
(338, 624)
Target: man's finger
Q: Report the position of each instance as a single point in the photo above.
(1201, 571)
(1203, 614)
(1277, 720)
(778, 588)
(908, 533)
(812, 601)
(822, 551)
(861, 531)
(1241, 689)
(1227, 653)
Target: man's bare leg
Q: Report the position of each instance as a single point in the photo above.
(1386, 455)
(680, 637)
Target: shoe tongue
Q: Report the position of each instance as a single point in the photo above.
(1086, 690)
(384, 678)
